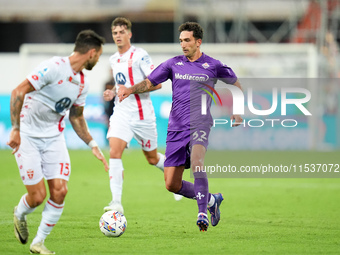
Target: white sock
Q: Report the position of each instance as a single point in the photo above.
(23, 208)
(116, 179)
(160, 163)
(50, 216)
(211, 201)
(37, 240)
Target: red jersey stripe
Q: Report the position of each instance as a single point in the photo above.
(139, 103)
(60, 128)
(82, 83)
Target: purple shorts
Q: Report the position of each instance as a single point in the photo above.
(179, 144)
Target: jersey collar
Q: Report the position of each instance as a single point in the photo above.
(129, 50)
(200, 59)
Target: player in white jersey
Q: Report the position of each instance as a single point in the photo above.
(133, 117)
(38, 107)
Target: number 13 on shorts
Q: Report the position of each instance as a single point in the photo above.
(64, 169)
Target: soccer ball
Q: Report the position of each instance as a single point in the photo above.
(112, 224)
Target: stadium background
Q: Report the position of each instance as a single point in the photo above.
(34, 30)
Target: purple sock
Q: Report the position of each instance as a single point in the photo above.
(201, 191)
(187, 190)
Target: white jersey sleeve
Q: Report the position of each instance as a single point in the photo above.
(43, 74)
(146, 64)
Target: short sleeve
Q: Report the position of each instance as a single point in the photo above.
(162, 73)
(146, 64)
(42, 75)
(225, 73)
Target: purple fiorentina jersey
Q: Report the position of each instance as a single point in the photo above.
(189, 81)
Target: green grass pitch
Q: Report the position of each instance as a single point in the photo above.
(259, 215)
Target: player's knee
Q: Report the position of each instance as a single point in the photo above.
(58, 194)
(152, 161)
(115, 154)
(172, 187)
(37, 198)
(196, 164)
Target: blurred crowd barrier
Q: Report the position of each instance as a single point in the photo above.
(258, 66)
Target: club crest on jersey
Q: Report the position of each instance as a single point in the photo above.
(205, 65)
(70, 79)
(30, 173)
(130, 63)
(120, 78)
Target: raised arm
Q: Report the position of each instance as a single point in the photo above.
(16, 102)
(79, 125)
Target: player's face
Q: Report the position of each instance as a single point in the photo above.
(189, 44)
(121, 35)
(94, 57)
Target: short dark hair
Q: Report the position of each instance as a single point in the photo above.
(121, 21)
(87, 40)
(192, 26)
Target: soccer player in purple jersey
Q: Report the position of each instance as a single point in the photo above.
(188, 129)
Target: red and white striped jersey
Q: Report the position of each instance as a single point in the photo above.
(128, 69)
(57, 88)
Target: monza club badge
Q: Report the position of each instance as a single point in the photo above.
(30, 173)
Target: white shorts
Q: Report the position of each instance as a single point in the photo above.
(39, 158)
(144, 131)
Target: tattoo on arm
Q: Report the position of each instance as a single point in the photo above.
(141, 87)
(159, 86)
(16, 105)
(79, 123)
(17, 100)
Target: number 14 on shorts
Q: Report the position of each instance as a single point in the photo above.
(147, 144)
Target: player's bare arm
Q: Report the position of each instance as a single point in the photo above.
(236, 117)
(107, 93)
(16, 102)
(153, 88)
(143, 86)
(79, 125)
(238, 84)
